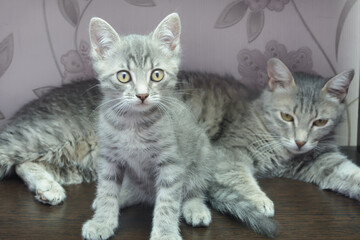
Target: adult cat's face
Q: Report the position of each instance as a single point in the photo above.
(302, 110)
(136, 72)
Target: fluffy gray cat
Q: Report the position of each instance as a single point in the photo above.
(287, 132)
(150, 147)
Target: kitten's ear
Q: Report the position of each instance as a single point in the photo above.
(279, 75)
(167, 33)
(102, 37)
(338, 86)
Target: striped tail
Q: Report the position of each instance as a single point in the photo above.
(249, 215)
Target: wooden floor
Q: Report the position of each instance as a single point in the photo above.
(302, 210)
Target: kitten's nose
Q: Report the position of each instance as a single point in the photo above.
(300, 143)
(142, 97)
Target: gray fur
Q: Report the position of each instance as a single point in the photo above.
(150, 148)
(53, 140)
(56, 134)
(259, 143)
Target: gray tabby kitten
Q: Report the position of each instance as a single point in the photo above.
(150, 147)
(287, 132)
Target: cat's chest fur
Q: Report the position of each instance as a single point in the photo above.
(139, 143)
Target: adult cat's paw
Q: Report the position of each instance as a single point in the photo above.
(264, 205)
(196, 213)
(50, 192)
(96, 230)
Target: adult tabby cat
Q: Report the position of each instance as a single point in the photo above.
(150, 147)
(287, 132)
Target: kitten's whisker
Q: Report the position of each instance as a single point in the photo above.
(96, 85)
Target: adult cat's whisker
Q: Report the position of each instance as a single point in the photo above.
(271, 146)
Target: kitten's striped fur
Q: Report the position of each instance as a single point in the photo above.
(150, 147)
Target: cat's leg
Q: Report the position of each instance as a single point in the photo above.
(235, 191)
(194, 209)
(235, 182)
(47, 190)
(195, 212)
(129, 194)
(170, 182)
(333, 171)
(106, 203)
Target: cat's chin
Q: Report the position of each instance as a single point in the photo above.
(142, 107)
(297, 151)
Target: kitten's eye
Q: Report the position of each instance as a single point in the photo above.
(157, 75)
(287, 117)
(320, 122)
(123, 76)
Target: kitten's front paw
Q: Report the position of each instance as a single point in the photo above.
(50, 192)
(196, 213)
(96, 230)
(265, 206)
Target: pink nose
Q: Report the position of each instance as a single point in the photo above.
(142, 97)
(300, 143)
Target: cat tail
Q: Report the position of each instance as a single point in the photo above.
(248, 214)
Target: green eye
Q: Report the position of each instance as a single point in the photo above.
(320, 122)
(287, 117)
(157, 75)
(123, 76)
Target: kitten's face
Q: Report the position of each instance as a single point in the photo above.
(305, 110)
(136, 72)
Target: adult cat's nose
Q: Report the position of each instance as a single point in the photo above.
(300, 143)
(142, 97)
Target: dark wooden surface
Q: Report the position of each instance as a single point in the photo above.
(303, 211)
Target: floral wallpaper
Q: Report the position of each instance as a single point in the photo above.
(44, 43)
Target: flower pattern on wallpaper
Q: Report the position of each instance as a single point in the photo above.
(6, 56)
(77, 64)
(70, 10)
(252, 63)
(42, 90)
(6, 53)
(235, 11)
(142, 3)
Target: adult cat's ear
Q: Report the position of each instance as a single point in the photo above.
(338, 86)
(279, 75)
(102, 37)
(167, 33)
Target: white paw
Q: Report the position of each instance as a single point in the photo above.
(265, 206)
(96, 230)
(196, 213)
(50, 192)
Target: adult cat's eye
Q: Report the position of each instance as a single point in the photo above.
(157, 75)
(320, 122)
(123, 76)
(287, 117)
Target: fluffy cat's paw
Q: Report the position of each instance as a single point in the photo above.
(265, 206)
(50, 192)
(96, 230)
(196, 213)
